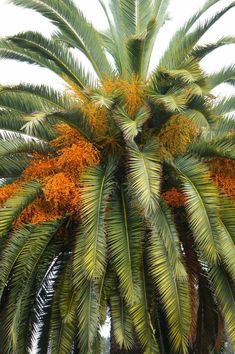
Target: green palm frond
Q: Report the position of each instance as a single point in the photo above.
(224, 126)
(22, 280)
(225, 105)
(176, 53)
(125, 233)
(28, 99)
(227, 216)
(131, 127)
(88, 314)
(174, 101)
(98, 184)
(142, 319)
(75, 29)
(121, 321)
(226, 75)
(12, 166)
(174, 292)
(48, 274)
(202, 204)
(225, 296)
(10, 253)
(197, 117)
(18, 146)
(16, 204)
(144, 174)
(214, 147)
(10, 120)
(200, 51)
(56, 52)
(166, 229)
(67, 324)
(227, 249)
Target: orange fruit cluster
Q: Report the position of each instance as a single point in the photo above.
(59, 174)
(223, 174)
(174, 198)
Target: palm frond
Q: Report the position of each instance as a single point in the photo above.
(22, 281)
(141, 318)
(179, 49)
(173, 291)
(166, 229)
(125, 232)
(227, 249)
(225, 105)
(200, 51)
(131, 127)
(16, 204)
(88, 314)
(18, 146)
(12, 166)
(10, 254)
(226, 75)
(214, 147)
(53, 51)
(225, 296)
(121, 321)
(227, 215)
(144, 174)
(75, 29)
(97, 185)
(202, 204)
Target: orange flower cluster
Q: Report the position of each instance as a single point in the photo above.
(176, 135)
(59, 175)
(132, 91)
(223, 174)
(174, 198)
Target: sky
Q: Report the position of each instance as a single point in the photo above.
(14, 19)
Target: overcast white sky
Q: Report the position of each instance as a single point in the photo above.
(14, 19)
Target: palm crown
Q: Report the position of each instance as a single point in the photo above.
(118, 194)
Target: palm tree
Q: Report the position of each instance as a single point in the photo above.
(117, 194)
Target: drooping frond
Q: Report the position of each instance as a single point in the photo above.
(125, 232)
(121, 321)
(16, 204)
(214, 147)
(166, 229)
(22, 281)
(202, 204)
(225, 296)
(227, 249)
(10, 254)
(144, 173)
(173, 291)
(97, 185)
(142, 319)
